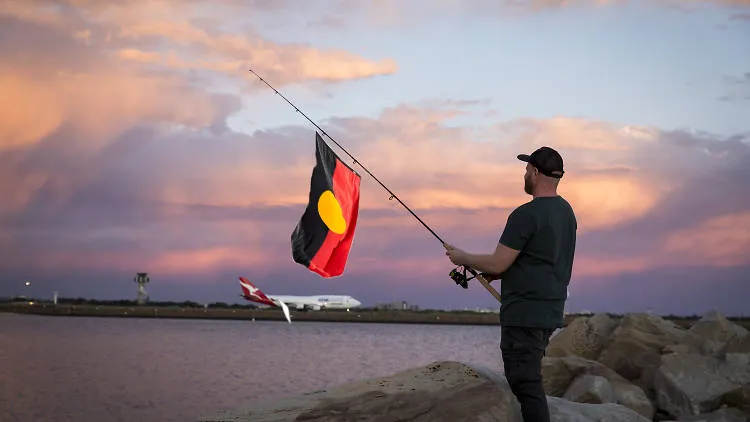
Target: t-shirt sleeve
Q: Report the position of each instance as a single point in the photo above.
(518, 229)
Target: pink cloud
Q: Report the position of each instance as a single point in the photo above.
(719, 241)
(240, 172)
(137, 31)
(28, 112)
(168, 263)
(94, 79)
(494, 179)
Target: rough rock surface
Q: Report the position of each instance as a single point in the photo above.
(694, 384)
(441, 391)
(736, 350)
(590, 389)
(699, 373)
(721, 415)
(583, 337)
(561, 373)
(636, 344)
(716, 332)
(562, 410)
(739, 398)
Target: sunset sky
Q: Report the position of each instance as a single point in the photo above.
(133, 139)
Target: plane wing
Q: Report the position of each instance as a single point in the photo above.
(285, 309)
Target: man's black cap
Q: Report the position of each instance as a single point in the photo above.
(547, 160)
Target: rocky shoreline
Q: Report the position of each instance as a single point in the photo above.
(657, 368)
(639, 367)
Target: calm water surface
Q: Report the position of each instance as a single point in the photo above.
(111, 369)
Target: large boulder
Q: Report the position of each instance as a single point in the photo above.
(586, 381)
(726, 414)
(694, 384)
(562, 410)
(584, 336)
(441, 391)
(637, 343)
(590, 389)
(736, 350)
(716, 331)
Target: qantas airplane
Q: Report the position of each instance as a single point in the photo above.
(301, 303)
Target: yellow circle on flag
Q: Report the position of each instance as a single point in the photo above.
(330, 212)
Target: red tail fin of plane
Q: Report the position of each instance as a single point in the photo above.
(252, 293)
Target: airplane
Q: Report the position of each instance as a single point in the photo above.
(300, 303)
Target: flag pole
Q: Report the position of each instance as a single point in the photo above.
(481, 279)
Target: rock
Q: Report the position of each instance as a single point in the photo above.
(633, 397)
(677, 348)
(690, 384)
(590, 389)
(739, 398)
(556, 375)
(736, 350)
(722, 415)
(739, 359)
(716, 331)
(584, 336)
(441, 391)
(562, 410)
(737, 344)
(560, 373)
(655, 367)
(637, 344)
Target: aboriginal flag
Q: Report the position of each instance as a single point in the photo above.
(323, 237)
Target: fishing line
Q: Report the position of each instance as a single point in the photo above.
(459, 278)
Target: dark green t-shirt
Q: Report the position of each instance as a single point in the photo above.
(534, 288)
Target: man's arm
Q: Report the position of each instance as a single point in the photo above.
(519, 228)
(495, 263)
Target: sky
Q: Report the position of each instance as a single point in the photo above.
(133, 138)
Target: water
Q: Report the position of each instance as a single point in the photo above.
(112, 369)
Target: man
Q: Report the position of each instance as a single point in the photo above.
(534, 259)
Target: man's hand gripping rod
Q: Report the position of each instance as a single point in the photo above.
(463, 284)
(461, 279)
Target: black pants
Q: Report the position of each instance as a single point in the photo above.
(522, 350)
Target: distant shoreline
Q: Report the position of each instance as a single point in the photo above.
(270, 314)
(259, 314)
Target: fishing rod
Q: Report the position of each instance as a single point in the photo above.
(455, 274)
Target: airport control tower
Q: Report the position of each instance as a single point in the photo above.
(141, 279)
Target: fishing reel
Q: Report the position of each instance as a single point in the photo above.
(458, 275)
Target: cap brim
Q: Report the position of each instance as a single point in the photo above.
(524, 157)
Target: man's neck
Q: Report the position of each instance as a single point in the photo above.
(545, 193)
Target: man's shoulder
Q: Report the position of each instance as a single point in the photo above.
(529, 208)
(537, 212)
(567, 207)
(545, 204)
(524, 212)
(526, 207)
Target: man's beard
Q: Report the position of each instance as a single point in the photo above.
(528, 187)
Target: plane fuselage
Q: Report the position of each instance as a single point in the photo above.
(302, 303)
(317, 302)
